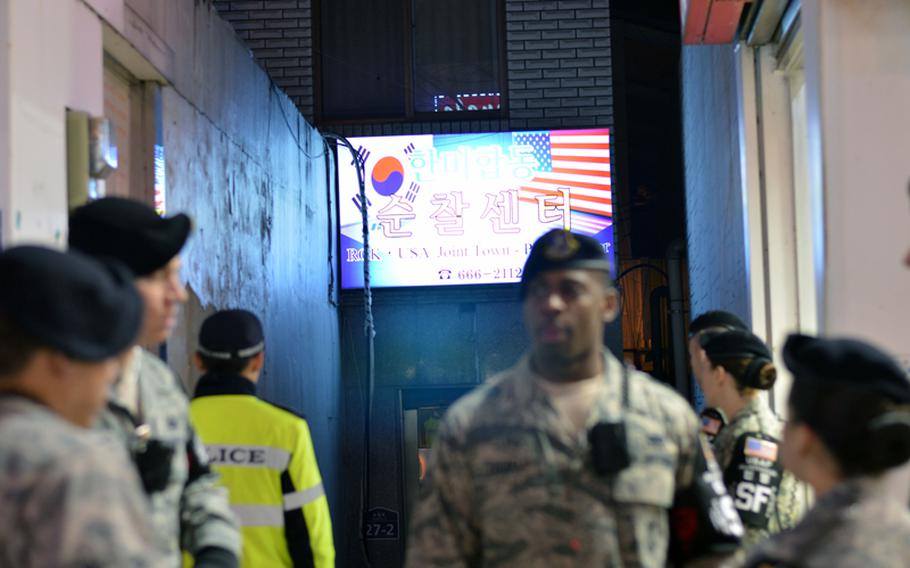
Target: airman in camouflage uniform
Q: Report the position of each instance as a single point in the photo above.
(791, 499)
(189, 510)
(67, 497)
(517, 479)
(849, 425)
(508, 486)
(733, 366)
(148, 408)
(68, 494)
(855, 524)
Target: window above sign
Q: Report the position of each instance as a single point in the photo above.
(456, 56)
(417, 58)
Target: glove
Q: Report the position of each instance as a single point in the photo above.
(215, 557)
(153, 461)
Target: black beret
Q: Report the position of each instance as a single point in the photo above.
(129, 231)
(846, 361)
(85, 308)
(559, 249)
(231, 334)
(734, 343)
(716, 319)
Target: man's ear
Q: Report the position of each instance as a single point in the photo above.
(611, 304)
(722, 375)
(257, 362)
(58, 365)
(197, 360)
(808, 442)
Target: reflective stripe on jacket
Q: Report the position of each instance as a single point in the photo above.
(266, 460)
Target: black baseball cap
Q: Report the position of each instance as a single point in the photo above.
(85, 308)
(231, 334)
(129, 231)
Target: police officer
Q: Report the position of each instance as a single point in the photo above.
(736, 367)
(849, 422)
(68, 495)
(264, 453)
(569, 458)
(148, 407)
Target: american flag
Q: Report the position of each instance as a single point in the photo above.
(762, 449)
(574, 159)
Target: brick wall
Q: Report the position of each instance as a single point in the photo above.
(280, 35)
(559, 68)
(718, 269)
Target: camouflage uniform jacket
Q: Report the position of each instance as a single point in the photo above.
(790, 501)
(192, 511)
(68, 496)
(508, 486)
(855, 524)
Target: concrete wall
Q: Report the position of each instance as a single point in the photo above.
(254, 175)
(716, 231)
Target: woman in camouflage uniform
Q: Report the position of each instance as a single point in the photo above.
(849, 424)
(732, 368)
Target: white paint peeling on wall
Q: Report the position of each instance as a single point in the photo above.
(253, 175)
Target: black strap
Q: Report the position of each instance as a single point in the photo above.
(625, 387)
(296, 532)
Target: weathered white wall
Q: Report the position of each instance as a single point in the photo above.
(51, 61)
(858, 83)
(715, 224)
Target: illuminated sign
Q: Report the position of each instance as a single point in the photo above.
(472, 101)
(160, 197)
(465, 208)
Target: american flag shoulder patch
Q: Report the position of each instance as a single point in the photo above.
(762, 449)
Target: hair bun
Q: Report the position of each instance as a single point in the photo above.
(889, 442)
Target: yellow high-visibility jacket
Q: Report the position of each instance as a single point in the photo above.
(266, 460)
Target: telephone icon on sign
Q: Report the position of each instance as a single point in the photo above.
(445, 274)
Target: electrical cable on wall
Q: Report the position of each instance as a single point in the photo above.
(370, 332)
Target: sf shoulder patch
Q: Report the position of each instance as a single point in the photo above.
(753, 478)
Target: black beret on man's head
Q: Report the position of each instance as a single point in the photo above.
(719, 319)
(559, 249)
(85, 308)
(129, 231)
(231, 334)
(848, 362)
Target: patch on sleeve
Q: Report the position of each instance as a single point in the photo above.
(762, 449)
(753, 478)
(712, 422)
